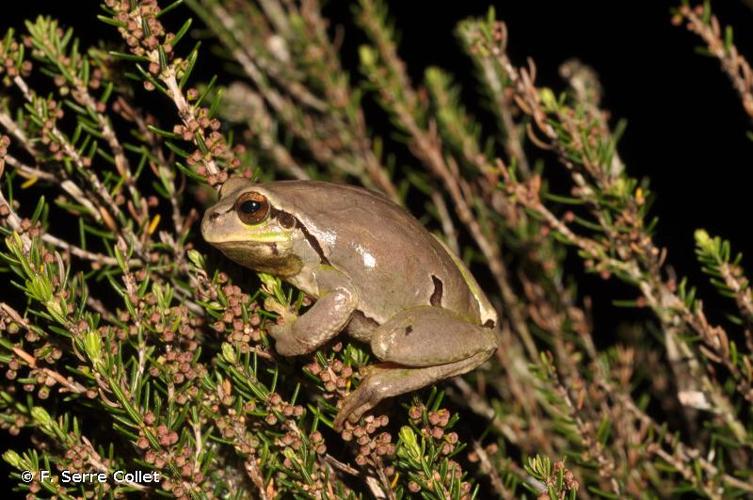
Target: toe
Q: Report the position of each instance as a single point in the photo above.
(355, 405)
(276, 331)
(346, 411)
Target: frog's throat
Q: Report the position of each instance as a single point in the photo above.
(263, 257)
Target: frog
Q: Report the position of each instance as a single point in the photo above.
(374, 272)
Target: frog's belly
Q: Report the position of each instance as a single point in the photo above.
(398, 297)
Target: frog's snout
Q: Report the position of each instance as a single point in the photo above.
(211, 215)
(207, 223)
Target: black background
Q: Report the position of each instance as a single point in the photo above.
(686, 127)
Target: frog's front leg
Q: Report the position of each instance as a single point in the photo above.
(325, 319)
(421, 346)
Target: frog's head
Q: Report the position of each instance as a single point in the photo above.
(246, 226)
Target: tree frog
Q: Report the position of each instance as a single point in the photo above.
(375, 272)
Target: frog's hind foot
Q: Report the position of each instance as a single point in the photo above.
(419, 346)
(382, 383)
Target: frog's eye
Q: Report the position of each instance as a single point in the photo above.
(252, 207)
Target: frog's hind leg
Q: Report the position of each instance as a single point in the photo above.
(420, 346)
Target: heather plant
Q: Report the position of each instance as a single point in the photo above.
(128, 344)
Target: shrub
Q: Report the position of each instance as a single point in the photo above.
(129, 345)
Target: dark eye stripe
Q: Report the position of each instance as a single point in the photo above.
(286, 220)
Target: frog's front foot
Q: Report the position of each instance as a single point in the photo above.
(302, 335)
(286, 343)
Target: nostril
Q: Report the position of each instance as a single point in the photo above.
(214, 216)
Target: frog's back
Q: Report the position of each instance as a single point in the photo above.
(386, 252)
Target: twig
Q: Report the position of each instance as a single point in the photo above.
(31, 361)
(733, 63)
(252, 469)
(342, 466)
(488, 468)
(28, 171)
(448, 227)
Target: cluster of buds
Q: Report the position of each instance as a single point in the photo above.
(335, 376)
(183, 460)
(686, 11)
(203, 122)
(173, 330)
(453, 470)
(317, 442)
(11, 65)
(435, 427)
(180, 368)
(141, 28)
(37, 378)
(80, 457)
(28, 362)
(40, 378)
(33, 230)
(169, 456)
(18, 421)
(146, 37)
(25, 225)
(314, 483)
(293, 440)
(231, 423)
(569, 482)
(50, 111)
(241, 332)
(241, 429)
(208, 129)
(278, 406)
(232, 428)
(372, 445)
(183, 490)
(175, 326)
(48, 46)
(80, 91)
(164, 435)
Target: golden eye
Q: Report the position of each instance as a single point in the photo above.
(252, 207)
